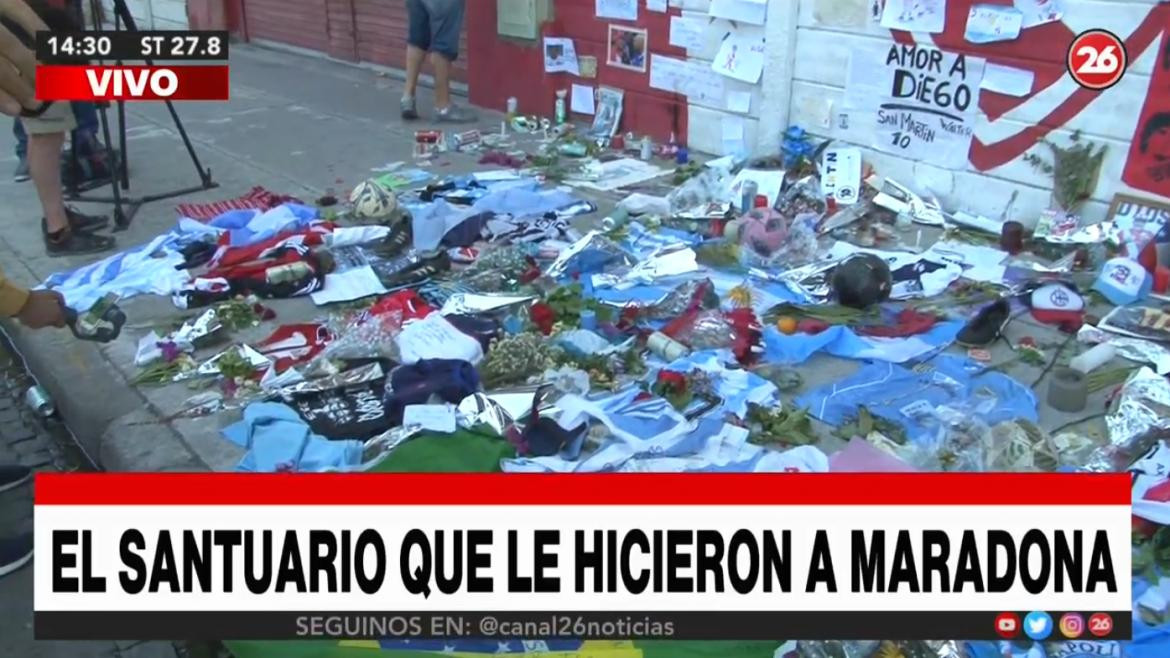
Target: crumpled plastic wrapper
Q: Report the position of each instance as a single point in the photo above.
(479, 409)
(210, 367)
(710, 330)
(669, 261)
(359, 375)
(677, 301)
(364, 337)
(497, 270)
(838, 649)
(1141, 419)
(1134, 349)
(710, 185)
(185, 338)
(567, 380)
(963, 442)
(594, 243)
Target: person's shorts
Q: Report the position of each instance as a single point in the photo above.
(57, 118)
(435, 26)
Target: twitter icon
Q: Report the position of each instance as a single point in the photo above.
(1038, 625)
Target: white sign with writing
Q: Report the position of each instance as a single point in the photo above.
(917, 102)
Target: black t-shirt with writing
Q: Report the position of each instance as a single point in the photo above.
(357, 411)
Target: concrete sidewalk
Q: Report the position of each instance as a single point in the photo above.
(296, 125)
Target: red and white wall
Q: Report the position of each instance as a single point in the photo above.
(807, 48)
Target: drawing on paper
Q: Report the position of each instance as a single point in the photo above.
(627, 48)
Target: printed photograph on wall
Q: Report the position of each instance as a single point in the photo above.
(627, 48)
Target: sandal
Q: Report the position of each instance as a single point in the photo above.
(73, 243)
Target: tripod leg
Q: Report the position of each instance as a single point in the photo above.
(123, 16)
(124, 157)
(121, 221)
(204, 174)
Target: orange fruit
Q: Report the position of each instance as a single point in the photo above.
(786, 324)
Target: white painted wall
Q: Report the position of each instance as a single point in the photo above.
(808, 45)
(153, 14)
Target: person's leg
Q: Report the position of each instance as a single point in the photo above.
(446, 28)
(64, 228)
(418, 41)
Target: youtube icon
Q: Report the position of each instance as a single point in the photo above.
(1007, 625)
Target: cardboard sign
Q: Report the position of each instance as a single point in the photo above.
(916, 102)
(841, 174)
(1148, 165)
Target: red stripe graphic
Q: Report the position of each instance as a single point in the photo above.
(583, 489)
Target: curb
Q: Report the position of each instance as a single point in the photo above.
(114, 424)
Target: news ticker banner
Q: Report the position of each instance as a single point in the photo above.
(92, 66)
(605, 556)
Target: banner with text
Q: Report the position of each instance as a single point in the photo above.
(917, 102)
(665, 556)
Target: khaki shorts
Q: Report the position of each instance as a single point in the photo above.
(58, 118)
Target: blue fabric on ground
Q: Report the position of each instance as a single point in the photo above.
(844, 342)
(736, 387)
(894, 393)
(276, 439)
(246, 227)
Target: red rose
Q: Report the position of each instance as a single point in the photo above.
(543, 317)
(674, 381)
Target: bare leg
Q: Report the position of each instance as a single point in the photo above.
(44, 165)
(442, 81)
(414, 62)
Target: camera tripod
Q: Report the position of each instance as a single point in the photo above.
(125, 207)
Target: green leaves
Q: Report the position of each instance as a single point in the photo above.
(772, 425)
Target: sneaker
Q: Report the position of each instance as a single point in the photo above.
(987, 325)
(422, 269)
(409, 110)
(13, 476)
(15, 552)
(76, 243)
(21, 174)
(455, 114)
(398, 240)
(79, 221)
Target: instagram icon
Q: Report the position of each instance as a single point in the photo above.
(1072, 625)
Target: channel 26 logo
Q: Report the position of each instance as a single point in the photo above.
(1097, 59)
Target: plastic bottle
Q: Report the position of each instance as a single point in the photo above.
(1094, 358)
(513, 107)
(748, 198)
(561, 112)
(647, 148)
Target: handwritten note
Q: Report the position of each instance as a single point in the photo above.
(687, 32)
(739, 101)
(915, 15)
(692, 79)
(740, 56)
(991, 23)
(433, 337)
(582, 100)
(1007, 80)
(624, 10)
(1039, 12)
(754, 12)
(733, 136)
(433, 417)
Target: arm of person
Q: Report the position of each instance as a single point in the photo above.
(12, 297)
(34, 309)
